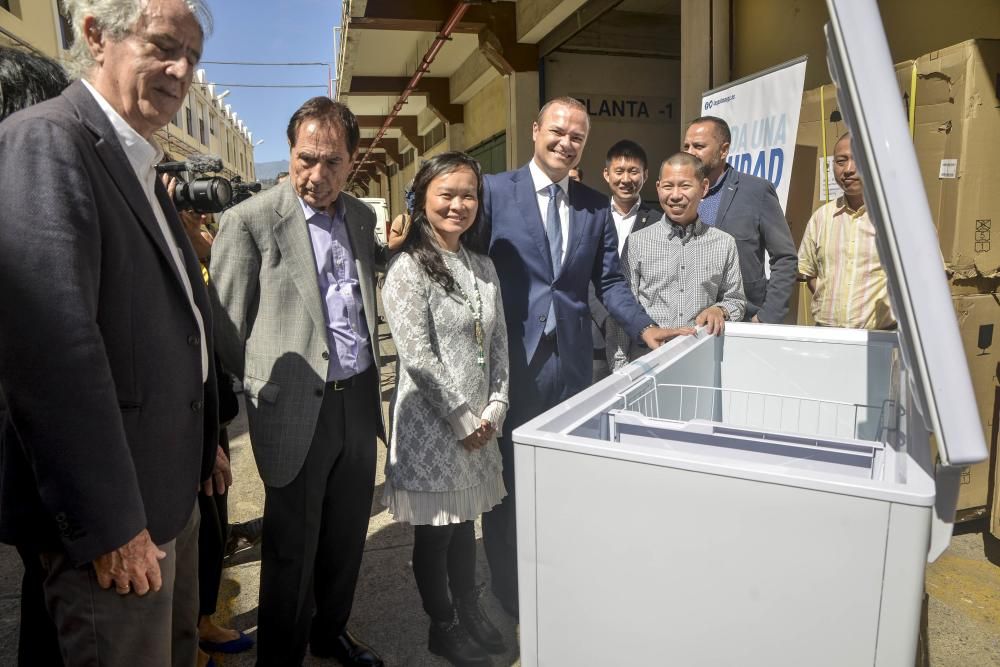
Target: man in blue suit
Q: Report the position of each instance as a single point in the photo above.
(550, 237)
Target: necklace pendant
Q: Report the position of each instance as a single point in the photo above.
(480, 359)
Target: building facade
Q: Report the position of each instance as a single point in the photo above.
(205, 124)
(640, 66)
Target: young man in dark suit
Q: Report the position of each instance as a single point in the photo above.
(551, 237)
(747, 208)
(625, 171)
(105, 342)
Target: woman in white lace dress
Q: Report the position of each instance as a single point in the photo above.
(442, 301)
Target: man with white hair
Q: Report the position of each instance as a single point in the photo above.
(105, 337)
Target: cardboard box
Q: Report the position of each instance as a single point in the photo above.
(956, 135)
(979, 324)
(820, 112)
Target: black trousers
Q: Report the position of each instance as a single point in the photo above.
(212, 541)
(315, 529)
(543, 389)
(38, 642)
(444, 559)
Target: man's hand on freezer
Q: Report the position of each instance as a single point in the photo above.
(654, 337)
(713, 319)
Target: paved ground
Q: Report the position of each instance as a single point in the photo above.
(964, 586)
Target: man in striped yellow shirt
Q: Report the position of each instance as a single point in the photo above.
(839, 259)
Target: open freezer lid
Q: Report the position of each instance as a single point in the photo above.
(859, 60)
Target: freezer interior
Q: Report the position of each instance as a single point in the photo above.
(801, 399)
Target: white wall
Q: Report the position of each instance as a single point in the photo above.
(641, 102)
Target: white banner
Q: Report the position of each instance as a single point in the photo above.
(763, 114)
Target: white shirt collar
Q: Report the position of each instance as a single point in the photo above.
(541, 181)
(142, 155)
(632, 211)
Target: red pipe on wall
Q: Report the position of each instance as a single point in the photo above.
(425, 63)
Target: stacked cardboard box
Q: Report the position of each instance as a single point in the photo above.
(956, 103)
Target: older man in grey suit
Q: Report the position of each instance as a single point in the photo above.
(293, 269)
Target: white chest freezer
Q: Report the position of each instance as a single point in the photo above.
(767, 497)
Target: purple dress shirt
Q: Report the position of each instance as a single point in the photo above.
(340, 291)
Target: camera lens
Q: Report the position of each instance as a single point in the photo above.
(203, 195)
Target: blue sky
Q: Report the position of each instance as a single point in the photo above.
(264, 30)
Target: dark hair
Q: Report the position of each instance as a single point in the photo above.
(721, 127)
(326, 110)
(628, 149)
(683, 159)
(579, 172)
(420, 242)
(26, 79)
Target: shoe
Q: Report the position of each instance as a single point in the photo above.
(452, 642)
(238, 645)
(348, 650)
(508, 601)
(477, 623)
(243, 536)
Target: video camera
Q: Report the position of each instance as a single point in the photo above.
(242, 191)
(205, 194)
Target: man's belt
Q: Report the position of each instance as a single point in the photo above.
(341, 385)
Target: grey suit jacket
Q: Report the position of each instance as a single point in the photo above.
(271, 327)
(749, 210)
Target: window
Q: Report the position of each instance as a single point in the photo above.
(176, 120)
(435, 136)
(201, 131)
(406, 159)
(190, 121)
(492, 154)
(211, 124)
(10, 6)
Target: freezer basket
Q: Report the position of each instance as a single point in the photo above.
(759, 410)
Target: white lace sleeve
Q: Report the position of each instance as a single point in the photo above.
(406, 299)
(499, 364)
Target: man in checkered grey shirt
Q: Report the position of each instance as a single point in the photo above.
(681, 271)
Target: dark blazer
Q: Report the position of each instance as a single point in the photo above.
(749, 211)
(100, 358)
(644, 217)
(519, 249)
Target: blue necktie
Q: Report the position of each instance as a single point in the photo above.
(553, 230)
